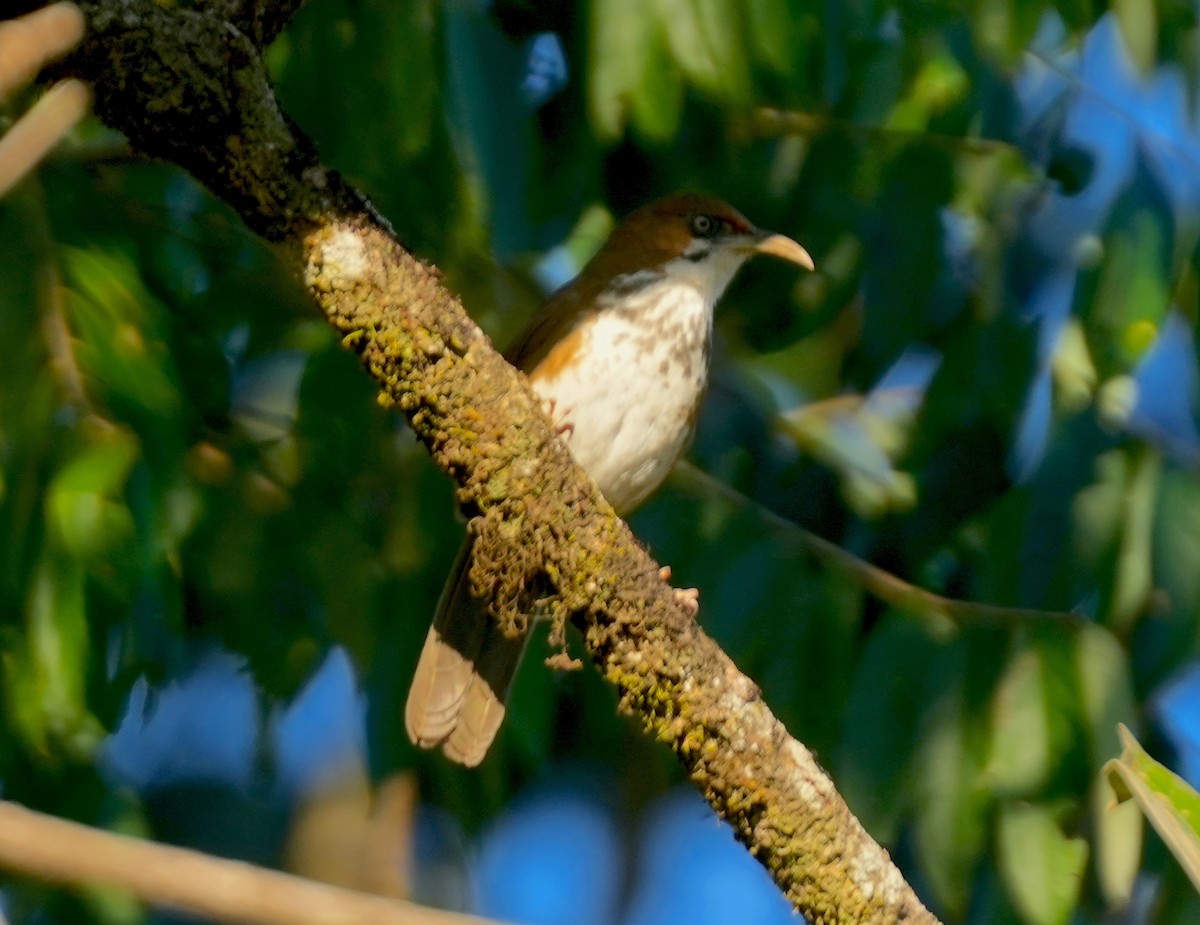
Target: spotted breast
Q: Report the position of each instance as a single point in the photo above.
(624, 390)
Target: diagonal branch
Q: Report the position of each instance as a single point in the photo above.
(260, 20)
(190, 88)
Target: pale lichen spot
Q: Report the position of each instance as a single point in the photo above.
(315, 176)
(873, 873)
(340, 262)
(810, 781)
(808, 793)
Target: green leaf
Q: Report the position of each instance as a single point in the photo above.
(860, 436)
(1122, 314)
(1077, 14)
(115, 319)
(1019, 762)
(594, 225)
(879, 730)
(84, 504)
(940, 84)
(1004, 29)
(951, 829)
(1165, 798)
(705, 38)
(1097, 509)
(1105, 687)
(46, 676)
(1176, 545)
(1041, 867)
(1138, 20)
(771, 24)
(1114, 529)
(1118, 833)
(380, 61)
(1106, 699)
(656, 102)
(629, 71)
(1073, 370)
(1134, 579)
(722, 23)
(410, 25)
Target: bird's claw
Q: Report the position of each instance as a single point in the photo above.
(689, 598)
(562, 427)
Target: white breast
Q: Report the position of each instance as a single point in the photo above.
(626, 409)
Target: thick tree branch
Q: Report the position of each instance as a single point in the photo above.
(189, 88)
(260, 20)
(58, 851)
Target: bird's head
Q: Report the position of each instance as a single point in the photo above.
(689, 239)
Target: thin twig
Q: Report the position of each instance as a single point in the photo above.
(767, 122)
(24, 145)
(889, 588)
(1162, 140)
(28, 42)
(26, 45)
(57, 851)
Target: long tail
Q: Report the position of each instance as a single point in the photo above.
(464, 674)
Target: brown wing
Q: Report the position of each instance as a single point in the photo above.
(551, 325)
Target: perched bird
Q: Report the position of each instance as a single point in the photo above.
(620, 356)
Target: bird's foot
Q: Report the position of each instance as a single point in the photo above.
(562, 427)
(688, 597)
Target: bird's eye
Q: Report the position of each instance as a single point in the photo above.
(704, 226)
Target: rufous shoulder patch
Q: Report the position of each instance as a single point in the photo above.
(559, 357)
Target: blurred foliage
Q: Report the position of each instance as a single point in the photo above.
(988, 388)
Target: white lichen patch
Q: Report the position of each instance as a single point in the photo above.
(338, 263)
(814, 787)
(873, 873)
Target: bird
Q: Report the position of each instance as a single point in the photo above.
(619, 357)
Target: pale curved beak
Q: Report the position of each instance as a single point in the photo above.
(780, 245)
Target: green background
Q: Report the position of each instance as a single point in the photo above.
(190, 462)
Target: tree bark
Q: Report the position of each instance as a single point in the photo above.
(189, 87)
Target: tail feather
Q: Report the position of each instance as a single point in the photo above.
(438, 690)
(478, 722)
(463, 676)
